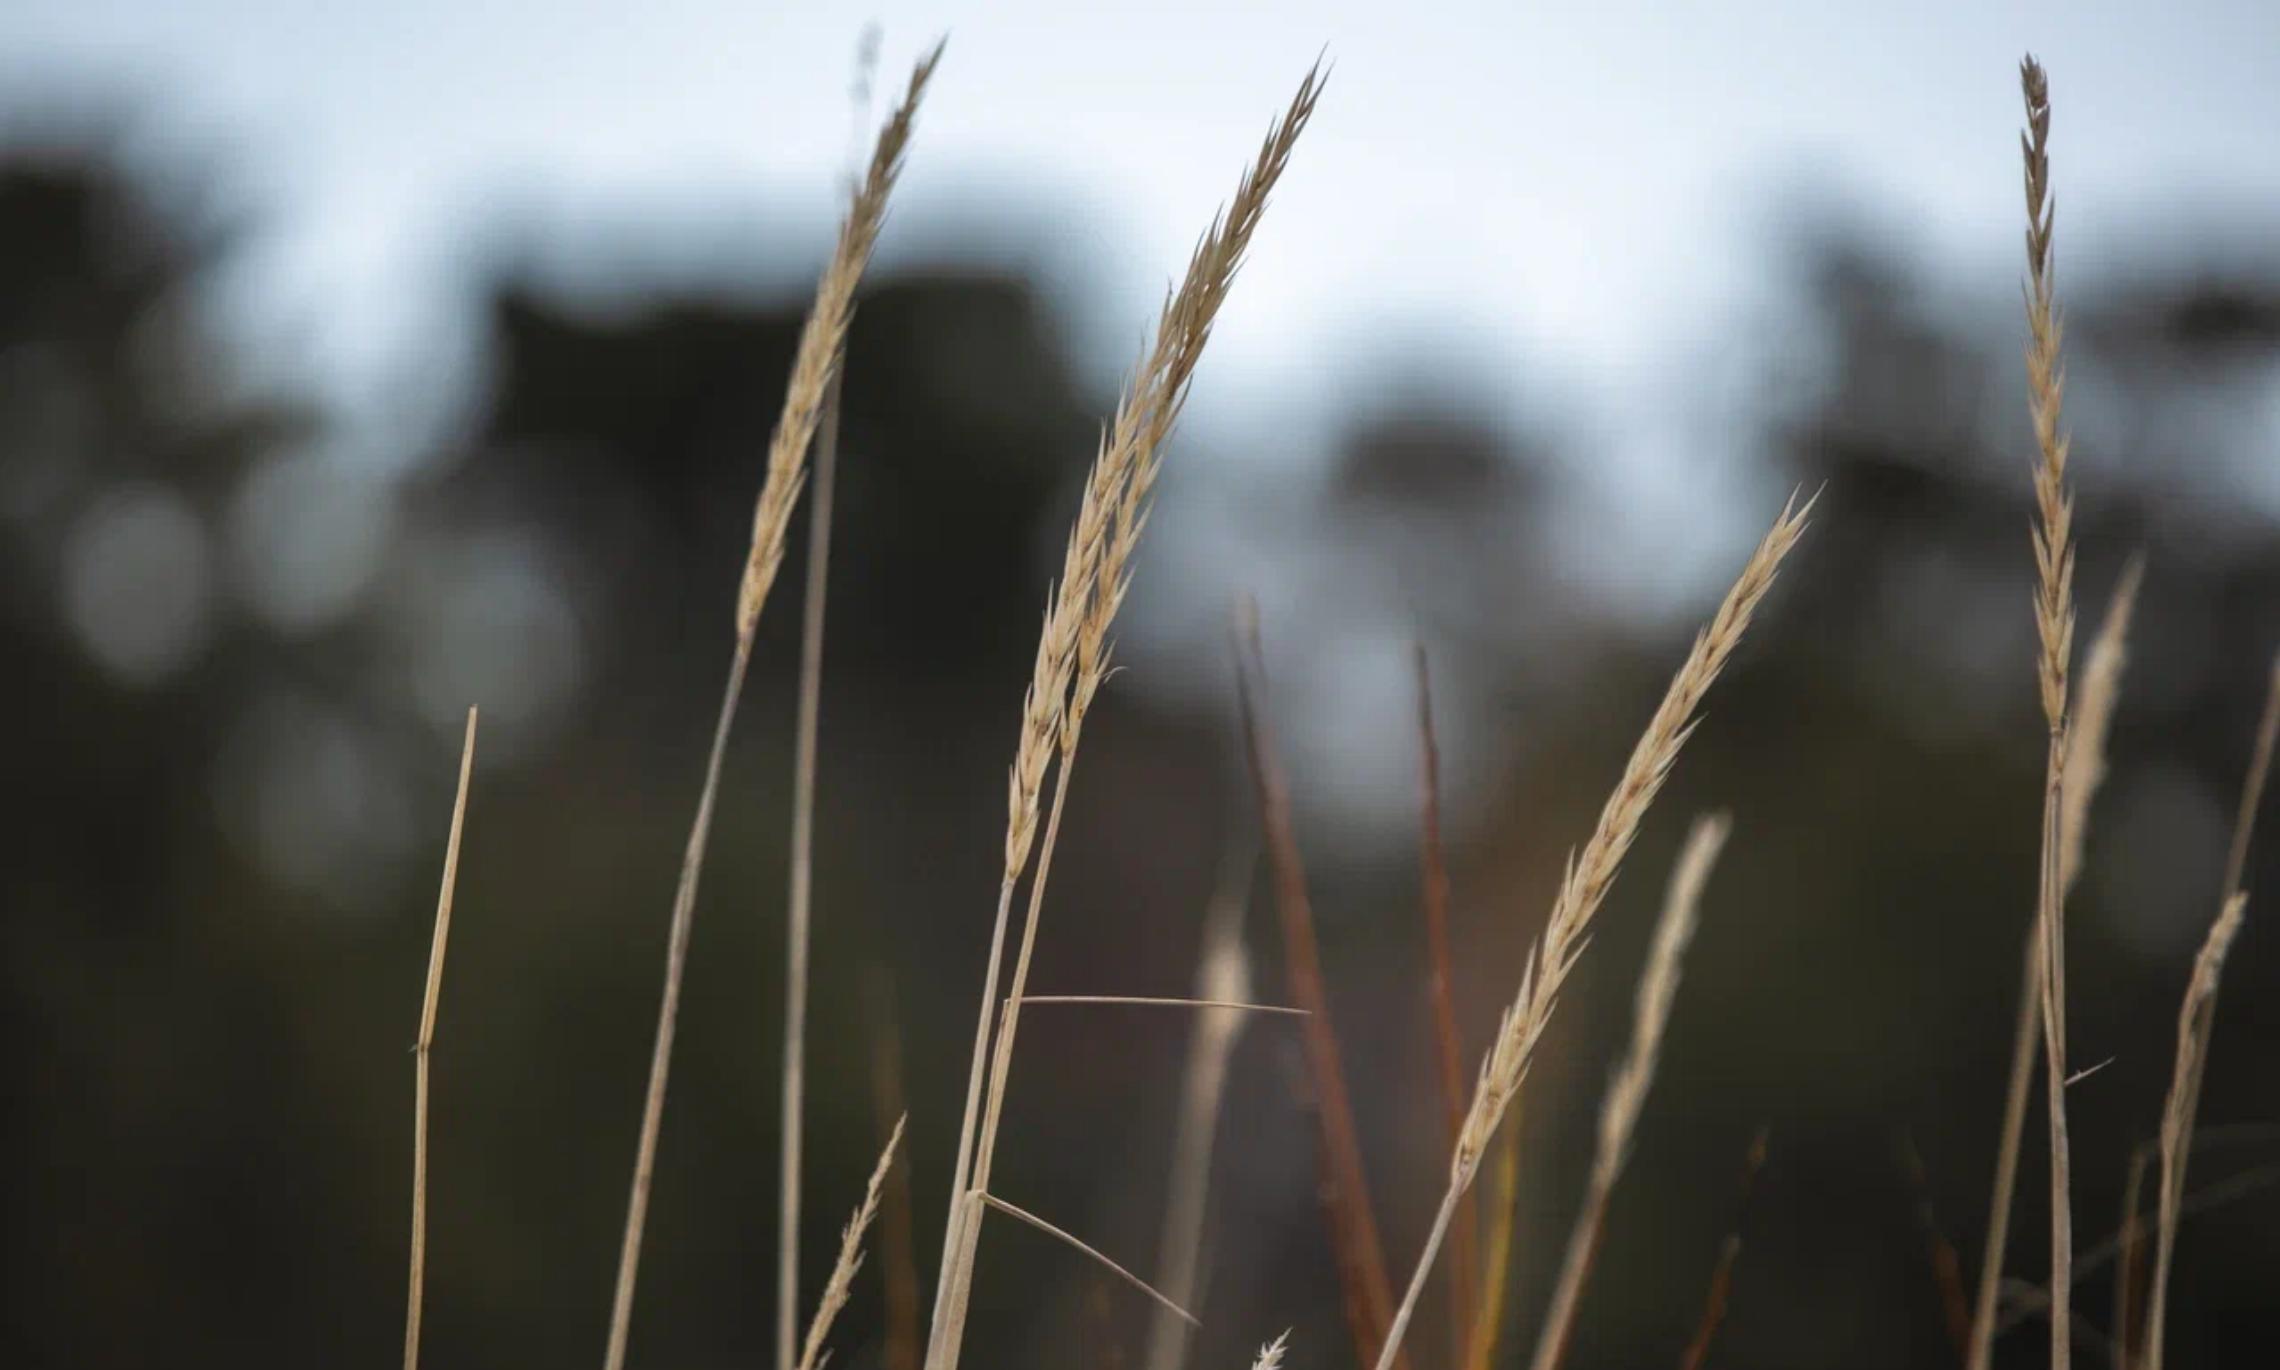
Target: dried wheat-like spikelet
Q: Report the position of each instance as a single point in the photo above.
(1589, 875)
(1627, 1090)
(1271, 1355)
(842, 1281)
(2195, 1018)
(1073, 659)
(823, 341)
(813, 366)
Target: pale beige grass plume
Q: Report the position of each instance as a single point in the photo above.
(815, 362)
(1584, 886)
(850, 1258)
(2196, 1020)
(1271, 1355)
(1073, 659)
(422, 1049)
(1627, 1088)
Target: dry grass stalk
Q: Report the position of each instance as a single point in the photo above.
(2085, 767)
(2129, 1242)
(2252, 785)
(1589, 875)
(2054, 632)
(1721, 1292)
(898, 1262)
(799, 897)
(1271, 1355)
(842, 1282)
(1223, 972)
(1073, 659)
(2195, 1019)
(1433, 905)
(815, 362)
(421, 1049)
(2032, 1300)
(1365, 1292)
(1627, 1090)
(1049, 1229)
(1213, 1006)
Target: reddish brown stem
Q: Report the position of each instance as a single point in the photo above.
(1722, 1278)
(1433, 902)
(1366, 1294)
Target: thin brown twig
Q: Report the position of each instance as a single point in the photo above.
(1366, 1294)
(1433, 905)
(816, 360)
(421, 1050)
(1721, 1293)
(1939, 1252)
(1627, 1089)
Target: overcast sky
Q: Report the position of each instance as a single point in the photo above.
(1581, 194)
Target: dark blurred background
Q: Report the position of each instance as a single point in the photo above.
(247, 589)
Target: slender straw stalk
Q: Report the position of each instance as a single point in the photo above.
(2054, 631)
(1433, 904)
(1223, 972)
(821, 347)
(2086, 744)
(420, 1052)
(1073, 659)
(800, 897)
(1590, 873)
(1627, 1091)
(842, 1281)
(1365, 1292)
(1128, 1277)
